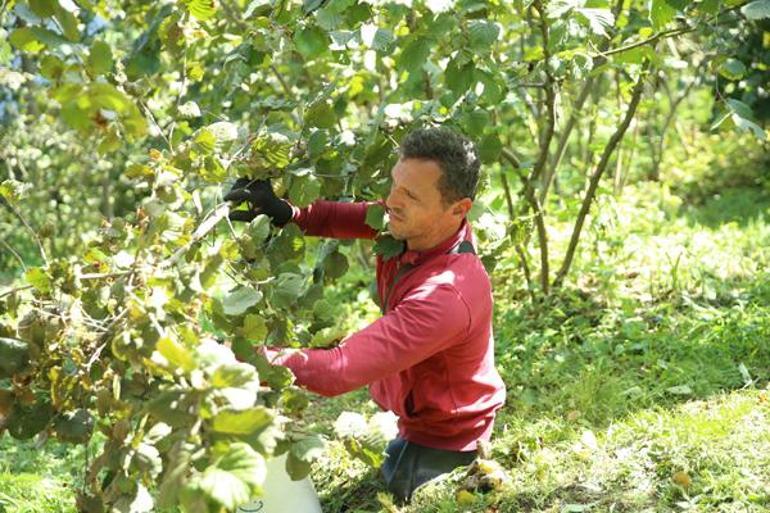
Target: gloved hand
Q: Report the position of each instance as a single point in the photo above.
(262, 200)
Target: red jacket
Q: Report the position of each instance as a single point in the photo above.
(430, 358)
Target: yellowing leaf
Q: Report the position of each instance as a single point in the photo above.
(176, 354)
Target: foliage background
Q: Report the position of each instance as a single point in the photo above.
(625, 155)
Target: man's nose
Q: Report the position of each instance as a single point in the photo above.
(391, 201)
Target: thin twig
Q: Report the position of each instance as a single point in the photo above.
(651, 39)
(207, 225)
(155, 122)
(99, 276)
(534, 204)
(2, 10)
(14, 253)
(14, 290)
(28, 227)
(284, 85)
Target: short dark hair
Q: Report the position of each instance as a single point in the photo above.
(455, 155)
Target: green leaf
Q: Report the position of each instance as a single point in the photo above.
(14, 357)
(743, 117)
(661, 13)
(176, 354)
(459, 77)
(376, 38)
(482, 34)
(202, 9)
(634, 56)
(375, 216)
(205, 142)
(234, 375)
(709, 6)
(6, 53)
(476, 121)
(39, 279)
(69, 23)
(302, 454)
(271, 150)
(740, 108)
(75, 426)
(335, 265)
(286, 289)
(223, 131)
(414, 55)
(13, 190)
(26, 39)
(732, 69)
(240, 300)
(328, 19)
(327, 337)
(100, 59)
(259, 228)
(304, 190)
(235, 478)
(244, 422)
(43, 8)
(599, 20)
(321, 114)
(308, 6)
(388, 247)
(311, 41)
(254, 327)
(288, 245)
(490, 147)
(757, 10)
(190, 110)
(27, 421)
(172, 407)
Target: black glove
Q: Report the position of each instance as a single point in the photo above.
(262, 200)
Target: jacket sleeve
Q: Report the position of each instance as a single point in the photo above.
(335, 219)
(429, 319)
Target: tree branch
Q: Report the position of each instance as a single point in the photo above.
(14, 253)
(534, 204)
(29, 228)
(600, 168)
(651, 39)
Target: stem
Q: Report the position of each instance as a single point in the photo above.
(651, 39)
(208, 224)
(280, 78)
(21, 218)
(508, 197)
(525, 269)
(550, 98)
(576, 108)
(594, 182)
(14, 290)
(542, 234)
(15, 254)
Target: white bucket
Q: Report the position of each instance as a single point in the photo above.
(281, 494)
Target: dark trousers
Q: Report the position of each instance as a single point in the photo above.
(408, 465)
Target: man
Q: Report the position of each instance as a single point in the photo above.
(429, 358)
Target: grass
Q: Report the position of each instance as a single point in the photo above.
(642, 388)
(38, 479)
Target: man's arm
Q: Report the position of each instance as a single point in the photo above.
(335, 219)
(430, 319)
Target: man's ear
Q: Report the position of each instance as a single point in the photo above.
(462, 207)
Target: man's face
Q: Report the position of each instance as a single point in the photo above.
(417, 213)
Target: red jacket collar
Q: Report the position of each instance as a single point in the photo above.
(417, 257)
